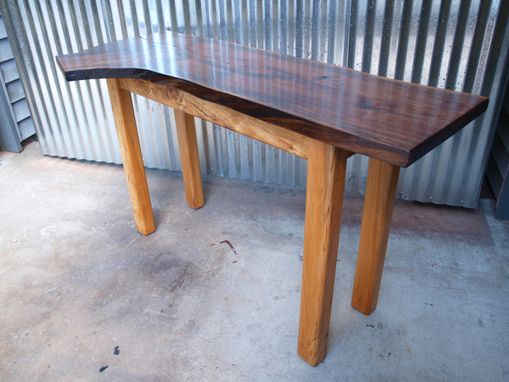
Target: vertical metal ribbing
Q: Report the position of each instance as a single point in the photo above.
(456, 44)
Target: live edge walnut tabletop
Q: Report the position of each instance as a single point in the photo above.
(323, 113)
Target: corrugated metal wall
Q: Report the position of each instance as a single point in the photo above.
(456, 44)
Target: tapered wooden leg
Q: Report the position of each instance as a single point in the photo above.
(131, 154)
(324, 201)
(186, 135)
(376, 220)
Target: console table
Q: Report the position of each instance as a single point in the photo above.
(321, 112)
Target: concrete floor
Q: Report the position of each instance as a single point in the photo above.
(78, 284)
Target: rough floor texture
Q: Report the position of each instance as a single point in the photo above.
(81, 291)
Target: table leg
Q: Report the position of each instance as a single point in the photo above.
(376, 220)
(131, 154)
(186, 135)
(324, 200)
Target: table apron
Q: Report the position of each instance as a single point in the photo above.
(265, 132)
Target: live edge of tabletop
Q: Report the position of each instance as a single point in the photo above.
(323, 113)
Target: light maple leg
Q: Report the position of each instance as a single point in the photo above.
(324, 201)
(376, 221)
(186, 135)
(131, 154)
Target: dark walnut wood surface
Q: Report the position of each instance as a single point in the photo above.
(386, 119)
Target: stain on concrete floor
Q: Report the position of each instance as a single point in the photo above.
(78, 282)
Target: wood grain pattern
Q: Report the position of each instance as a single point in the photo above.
(385, 119)
(186, 135)
(376, 221)
(131, 154)
(324, 200)
(174, 93)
